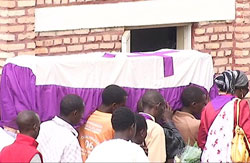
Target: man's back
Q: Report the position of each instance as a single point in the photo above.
(58, 142)
(97, 129)
(117, 150)
(155, 142)
(188, 126)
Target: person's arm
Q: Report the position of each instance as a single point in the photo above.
(202, 134)
(156, 144)
(244, 117)
(174, 140)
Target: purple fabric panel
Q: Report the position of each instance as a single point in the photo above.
(220, 101)
(147, 117)
(168, 66)
(19, 92)
(108, 55)
(161, 53)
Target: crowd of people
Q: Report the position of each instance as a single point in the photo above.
(113, 133)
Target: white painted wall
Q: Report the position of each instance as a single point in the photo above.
(130, 14)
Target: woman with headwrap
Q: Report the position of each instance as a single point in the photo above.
(218, 118)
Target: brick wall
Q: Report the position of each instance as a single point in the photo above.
(228, 42)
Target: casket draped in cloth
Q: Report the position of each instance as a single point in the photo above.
(39, 83)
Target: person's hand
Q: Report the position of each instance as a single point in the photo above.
(168, 113)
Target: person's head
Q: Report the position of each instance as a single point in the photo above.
(194, 99)
(141, 129)
(72, 108)
(114, 97)
(123, 121)
(153, 103)
(28, 123)
(233, 82)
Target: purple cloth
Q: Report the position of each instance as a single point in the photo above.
(147, 117)
(220, 101)
(19, 92)
(108, 55)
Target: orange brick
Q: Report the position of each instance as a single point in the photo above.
(58, 41)
(106, 37)
(230, 60)
(242, 45)
(221, 69)
(231, 28)
(74, 40)
(90, 38)
(242, 68)
(6, 55)
(214, 37)
(48, 1)
(48, 43)
(242, 28)
(63, 33)
(212, 45)
(30, 52)
(241, 53)
(199, 31)
(66, 40)
(118, 45)
(64, 1)
(213, 53)
(81, 31)
(228, 52)
(242, 61)
(7, 3)
(12, 47)
(107, 45)
(222, 37)
(90, 46)
(30, 27)
(57, 1)
(71, 1)
(229, 36)
(41, 51)
(4, 28)
(2, 63)
(220, 29)
(29, 35)
(16, 28)
(47, 34)
(26, 19)
(39, 43)
(220, 53)
(83, 39)
(98, 38)
(7, 21)
(57, 50)
(210, 30)
(31, 11)
(199, 46)
(16, 12)
(241, 36)
(201, 39)
(220, 61)
(226, 44)
(75, 48)
(26, 3)
(216, 70)
(31, 45)
(7, 37)
(40, 2)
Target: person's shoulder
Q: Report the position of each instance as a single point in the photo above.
(154, 126)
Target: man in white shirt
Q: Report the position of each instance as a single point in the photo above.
(57, 138)
(120, 149)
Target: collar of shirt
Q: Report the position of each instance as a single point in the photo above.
(25, 139)
(153, 118)
(65, 124)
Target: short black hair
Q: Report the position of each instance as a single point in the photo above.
(122, 119)
(26, 119)
(113, 94)
(70, 103)
(140, 122)
(191, 94)
(152, 98)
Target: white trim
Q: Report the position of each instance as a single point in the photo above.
(126, 42)
(127, 14)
